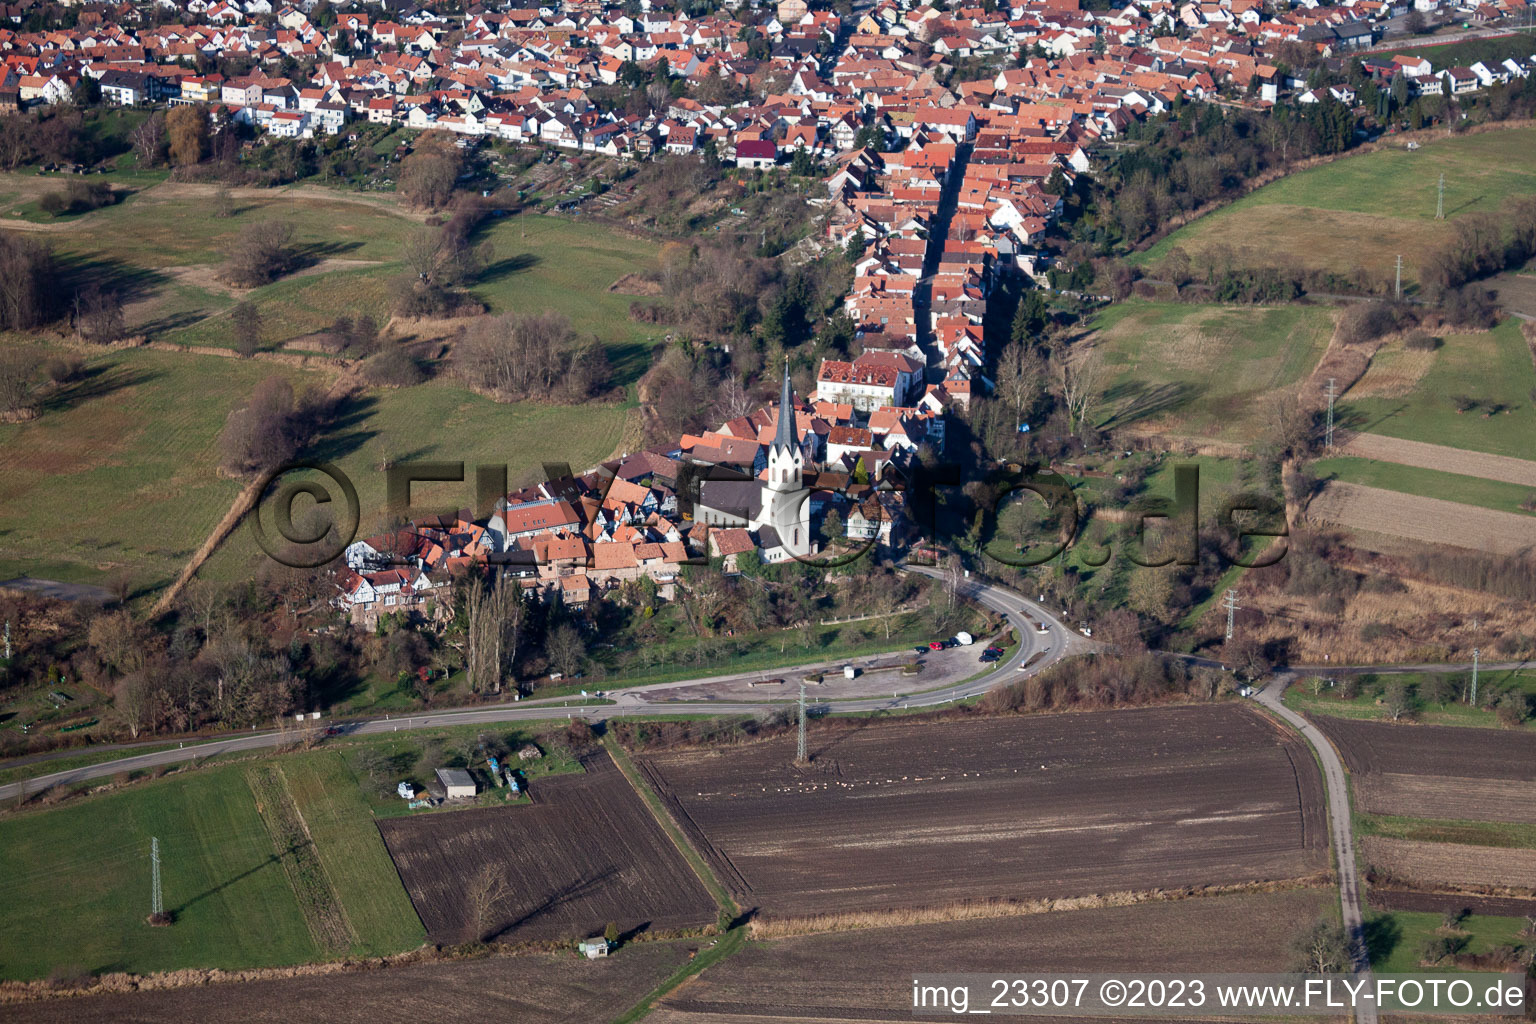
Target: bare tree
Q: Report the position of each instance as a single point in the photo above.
(18, 377)
(487, 891)
(132, 697)
(149, 140)
(565, 649)
(495, 626)
(99, 315)
(1079, 382)
(261, 254)
(1396, 700)
(1322, 949)
(1020, 378)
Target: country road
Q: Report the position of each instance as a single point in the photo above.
(1022, 614)
(1341, 825)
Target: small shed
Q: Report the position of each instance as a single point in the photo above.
(457, 783)
(593, 948)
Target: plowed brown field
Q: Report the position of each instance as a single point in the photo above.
(896, 815)
(1428, 520)
(867, 975)
(1451, 865)
(1438, 771)
(1440, 457)
(505, 990)
(587, 852)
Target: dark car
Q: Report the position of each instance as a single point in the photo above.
(334, 730)
(994, 650)
(988, 657)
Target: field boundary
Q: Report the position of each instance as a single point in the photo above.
(735, 934)
(820, 924)
(1442, 458)
(311, 886)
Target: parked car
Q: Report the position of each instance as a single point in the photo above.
(936, 645)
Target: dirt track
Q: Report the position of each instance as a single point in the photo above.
(1439, 457)
(1427, 520)
(895, 815)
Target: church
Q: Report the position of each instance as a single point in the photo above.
(775, 507)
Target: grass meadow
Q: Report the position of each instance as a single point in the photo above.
(78, 876)
(1413, 395)
(1368, 705)
(1203, 371)
(1364, 210)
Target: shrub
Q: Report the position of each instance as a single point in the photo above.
(63, 369)
(392, 368)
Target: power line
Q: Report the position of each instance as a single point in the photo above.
(1230, 604)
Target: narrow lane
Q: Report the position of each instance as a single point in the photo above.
(1341, 825)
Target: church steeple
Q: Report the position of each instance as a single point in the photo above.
(785, 437)
(786, 462)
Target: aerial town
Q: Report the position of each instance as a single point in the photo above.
(737, 512)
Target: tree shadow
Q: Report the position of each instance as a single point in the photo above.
(1136, 400)
(1381, 934)
(167, 324)
(271, 860)
(576, 890)
(95, 382)
(129, 282)
(310, 254)
(509, 266)
(344, 434)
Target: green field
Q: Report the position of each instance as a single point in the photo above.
(1203, 371)
(1469, 51)
(1396, 939)
(144, 506)
(1502, 834)
(1469, 490)
(1361, 212)
(1299, 697)
(78, 876)
(1494, 368)
(162, 247)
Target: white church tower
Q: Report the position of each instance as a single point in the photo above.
(786, 504)
(786, 462)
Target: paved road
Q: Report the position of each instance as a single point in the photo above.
(1057, 642)
(1340, 824)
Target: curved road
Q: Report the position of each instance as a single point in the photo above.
(1058, 641)
(1340, 824)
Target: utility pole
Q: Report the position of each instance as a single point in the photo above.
(1440, 199)
(1333, 392)
(1230, 604)
(1474, 677)
(7, 639)
(157, 905)
(1399, 276)
(800, 757)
